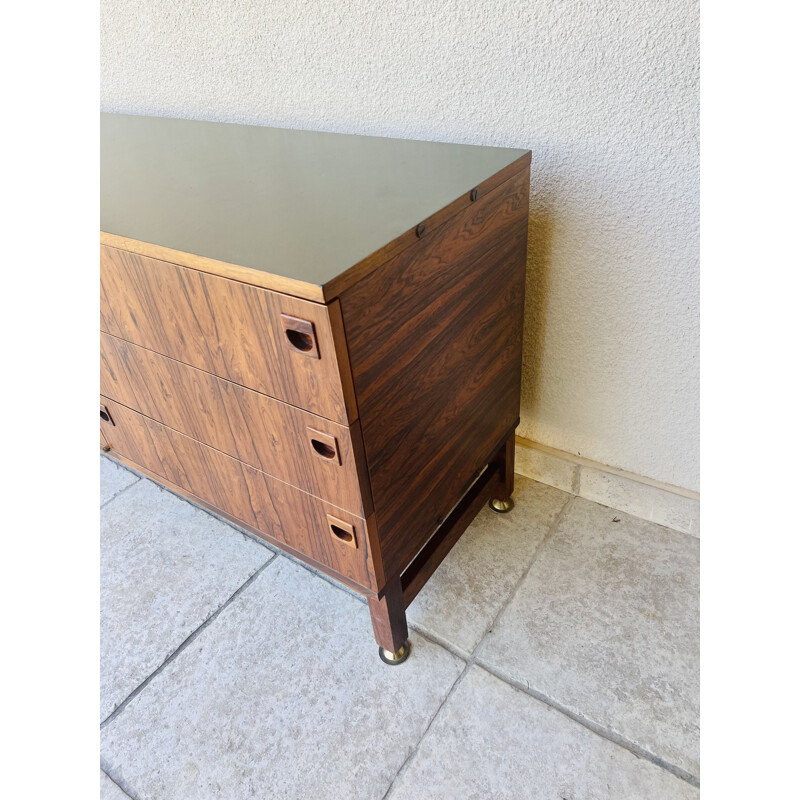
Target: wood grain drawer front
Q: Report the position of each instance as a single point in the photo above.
(273, 343)
(288, 515)
(302, 449)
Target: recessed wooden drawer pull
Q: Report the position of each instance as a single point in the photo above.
(343, 531)
(300, 336)
(324, 445)
(104, 415)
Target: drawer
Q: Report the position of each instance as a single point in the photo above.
(297, 447)
(272, 343)
(324, 533)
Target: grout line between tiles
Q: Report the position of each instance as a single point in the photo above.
(469, 660)
(124, 488)
(545, 539)
(474, 659)
(410, 757)
(184, 644)
(126, 791)
(594, 727)
(120, 492)
(464, 655)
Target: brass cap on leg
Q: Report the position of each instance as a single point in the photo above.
(501, 506)
(393, 659)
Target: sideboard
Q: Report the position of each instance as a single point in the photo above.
(318, 336)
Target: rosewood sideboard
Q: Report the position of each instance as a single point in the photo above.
(318, 336)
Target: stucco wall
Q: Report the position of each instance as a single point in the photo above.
(605, 94)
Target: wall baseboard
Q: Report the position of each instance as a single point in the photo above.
(642, 497)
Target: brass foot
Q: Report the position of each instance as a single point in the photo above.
(501, 506)
(393, 659)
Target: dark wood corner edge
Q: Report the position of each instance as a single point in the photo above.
(343, 359)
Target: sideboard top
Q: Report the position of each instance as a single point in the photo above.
(303, 206)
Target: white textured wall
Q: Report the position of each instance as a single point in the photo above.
(605, 94)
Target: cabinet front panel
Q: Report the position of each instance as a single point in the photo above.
(321, 531)
(302, 449)
(272, 343)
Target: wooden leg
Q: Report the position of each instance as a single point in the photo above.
(506, 458)
(389, 621)
(503, 503)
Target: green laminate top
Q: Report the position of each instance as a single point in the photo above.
(299, 204)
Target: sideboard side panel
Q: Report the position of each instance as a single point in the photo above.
(435, 342)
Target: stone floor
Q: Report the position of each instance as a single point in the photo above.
(554, 655)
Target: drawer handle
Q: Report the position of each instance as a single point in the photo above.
(105, 415)
(300, 336)
(342, 531)
(324, 445)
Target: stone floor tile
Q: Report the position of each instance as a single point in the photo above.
(491, 740)
(282, 696)
(113, 479)
(469, 588)
(109, 790)
(165, 567)
(606, 625)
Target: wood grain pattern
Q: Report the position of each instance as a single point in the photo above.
(289, 515)
(251, 427)
(435, 344)
(221, 326)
